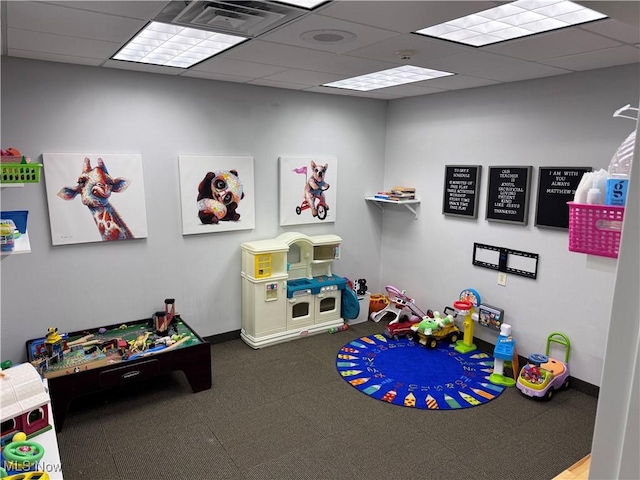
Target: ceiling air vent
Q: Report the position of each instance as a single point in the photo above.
(243, 18)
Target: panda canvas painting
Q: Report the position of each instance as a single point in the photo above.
(216, 193)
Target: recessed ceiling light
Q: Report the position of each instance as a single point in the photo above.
(310, 4)
(174, 46)
(388, 78)
(512, 20)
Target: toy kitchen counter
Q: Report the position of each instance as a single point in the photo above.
(315, 285)
(85, 362)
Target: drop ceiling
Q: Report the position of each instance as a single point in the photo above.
(364, 37)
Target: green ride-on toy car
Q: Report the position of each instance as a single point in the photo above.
(430, 331)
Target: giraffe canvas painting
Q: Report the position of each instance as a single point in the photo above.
(94, 198)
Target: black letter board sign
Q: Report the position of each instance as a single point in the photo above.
(461, 187)
(556, 187)
(508, 194)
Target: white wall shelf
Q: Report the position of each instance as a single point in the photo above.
(22, 245)
(379, 202)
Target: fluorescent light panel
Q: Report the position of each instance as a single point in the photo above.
(512, 20)
(388, 78)
(310, 4)
(174, 46)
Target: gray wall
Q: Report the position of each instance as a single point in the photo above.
(564, 120)
(51, 107)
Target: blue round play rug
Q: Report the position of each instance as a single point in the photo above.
(405, 373)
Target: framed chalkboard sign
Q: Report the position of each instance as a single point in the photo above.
(508, 194)
(556, 187)
(461, 190)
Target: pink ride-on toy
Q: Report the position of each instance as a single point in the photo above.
(543, 375)
(401, 312)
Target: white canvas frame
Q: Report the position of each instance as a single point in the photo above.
(71, 221)
(193, 169)
(292, 190)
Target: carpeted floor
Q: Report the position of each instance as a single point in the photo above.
(283, 412)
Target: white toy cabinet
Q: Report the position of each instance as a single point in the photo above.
(288, 288)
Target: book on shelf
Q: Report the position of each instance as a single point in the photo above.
(405, 193)
(392, 197)
(403, 189)
(406, 196)
(396, 198)
(382, 195)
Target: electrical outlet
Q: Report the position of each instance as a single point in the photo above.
(502, 279)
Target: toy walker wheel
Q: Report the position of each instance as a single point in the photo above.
(538, 359)
(549, 394)
(23, 452)
(453, 338)
(298, 210)
(432, 343)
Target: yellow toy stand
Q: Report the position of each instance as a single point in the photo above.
(469, 299)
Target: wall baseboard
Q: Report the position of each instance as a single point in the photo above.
(223, 337)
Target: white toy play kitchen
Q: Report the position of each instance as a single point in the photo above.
(288, 288)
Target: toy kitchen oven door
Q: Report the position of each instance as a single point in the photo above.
(314, 300)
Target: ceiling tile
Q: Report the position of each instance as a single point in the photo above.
(143, 67)
(409, 90)
(59, 44)
(560, 43)
(600, 59)
(425, 49)
(70, 22)
(330, 91)
(296, 57)
(458, 82)
(377, 94)
(625, 11)
(269, 83)
(216, 76)
(142, 10)
(614, 29)
(304, 77)
(494, 67)
(526, 71)
(52, 57)
(473, 61)
(291, 34)
(229, 66)
(403, 16)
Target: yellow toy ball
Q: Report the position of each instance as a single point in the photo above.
(19, 437)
